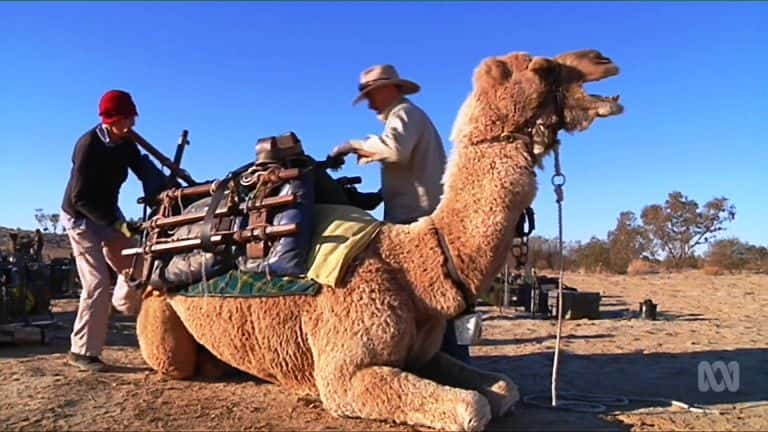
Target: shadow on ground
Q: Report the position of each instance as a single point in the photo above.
(660, 375)
(537, 339)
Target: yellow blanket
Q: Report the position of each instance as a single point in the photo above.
(341, 232)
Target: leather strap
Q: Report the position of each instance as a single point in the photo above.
(218, 193)
(453, 274)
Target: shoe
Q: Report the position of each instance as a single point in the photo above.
(88, 363)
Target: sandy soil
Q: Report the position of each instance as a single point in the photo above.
(701, 318)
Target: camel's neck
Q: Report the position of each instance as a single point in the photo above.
(487, 188)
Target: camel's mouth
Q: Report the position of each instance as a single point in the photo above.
(606, 106)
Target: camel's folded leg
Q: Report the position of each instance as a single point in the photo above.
(208, 366)
(500, 391)
(385, 393)
(165, 343)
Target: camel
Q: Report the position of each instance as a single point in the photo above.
(370, 348)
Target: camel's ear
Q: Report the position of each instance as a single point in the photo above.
(493, 71)
(586, 65)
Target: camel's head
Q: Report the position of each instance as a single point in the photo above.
(519, 96)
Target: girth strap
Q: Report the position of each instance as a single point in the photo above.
(453, 274)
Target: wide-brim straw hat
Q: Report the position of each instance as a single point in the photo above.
(381, 75)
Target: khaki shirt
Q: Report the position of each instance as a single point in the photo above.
(412, 162)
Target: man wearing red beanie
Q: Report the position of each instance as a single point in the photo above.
(96, 226)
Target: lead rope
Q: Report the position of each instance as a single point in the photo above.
(590, 402)
(558, 181)
(581, 402)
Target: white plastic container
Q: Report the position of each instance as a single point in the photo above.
(469, 328)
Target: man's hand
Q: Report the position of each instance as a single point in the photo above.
(127, 229)
(335, 158)
(365, 157)
(135, 227)
(122, 227)
(342, 150)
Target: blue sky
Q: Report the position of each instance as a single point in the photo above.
(692, 82)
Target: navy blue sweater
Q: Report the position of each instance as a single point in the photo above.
(98, 172)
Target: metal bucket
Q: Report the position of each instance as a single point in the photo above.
(648, 310)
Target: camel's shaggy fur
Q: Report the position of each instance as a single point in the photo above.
(370, 348)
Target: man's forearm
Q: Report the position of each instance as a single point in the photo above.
(365, 153)
(375, 148)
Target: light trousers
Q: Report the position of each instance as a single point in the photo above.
(96, 248)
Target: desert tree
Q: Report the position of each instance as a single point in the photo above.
(53, 218)
(42, 219)
(592, 256)
(678, 226)
(628, 241)
(544, 253)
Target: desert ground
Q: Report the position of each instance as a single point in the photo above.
(700, 318)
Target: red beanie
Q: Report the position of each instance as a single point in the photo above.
(116, 104)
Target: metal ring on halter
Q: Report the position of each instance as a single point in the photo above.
(558, 180)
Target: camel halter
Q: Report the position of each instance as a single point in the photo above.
(511, 137)
(527, 131)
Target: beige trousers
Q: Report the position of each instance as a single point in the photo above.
(96, 248)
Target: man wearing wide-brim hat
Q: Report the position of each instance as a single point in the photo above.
(411, 154)
(410, 149)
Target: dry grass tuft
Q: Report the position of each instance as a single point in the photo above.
(712, 270)
(641, 267)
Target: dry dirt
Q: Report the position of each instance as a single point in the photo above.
(701, 318)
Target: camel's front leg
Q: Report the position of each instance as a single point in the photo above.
(386, 393)
(500, 391)
(166, 345)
